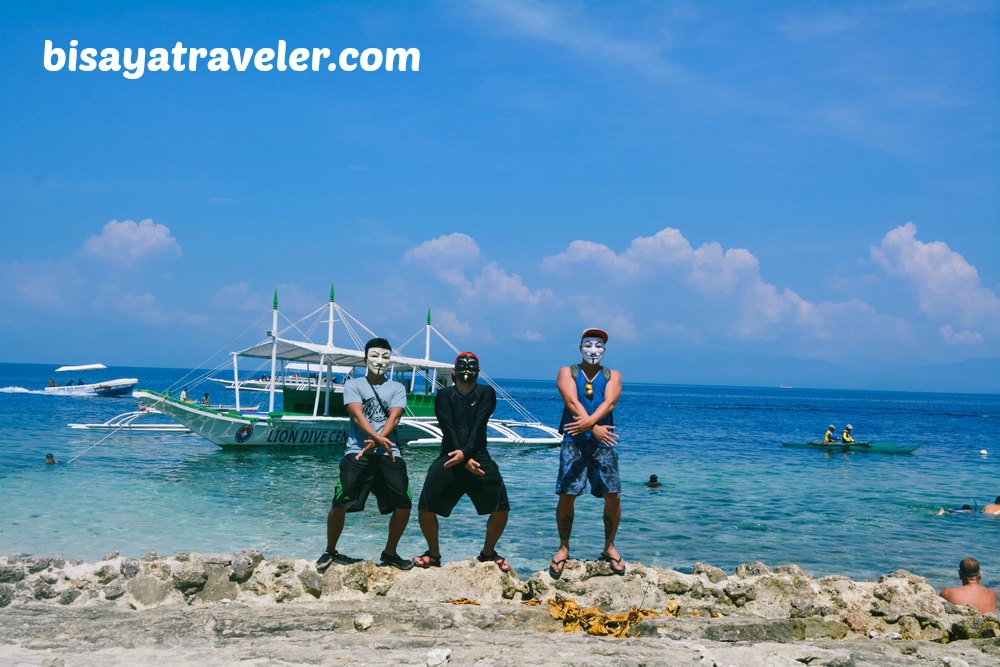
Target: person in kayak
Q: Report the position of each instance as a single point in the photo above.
(464, 466)
(846, 436)
(971, 592)
(830, 437)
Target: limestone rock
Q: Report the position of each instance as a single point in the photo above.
(6, 594)
(312, 582)
(37, 564)
(218, 585)
(44, 591)
(751, 570)
(714, 574)
(191, 579)
(69, 595)
(129, 568)
(148, 590)
(106, 573)
(363, 621)
(114, 590)
(10, 574)
(438, 657)
(243, 564)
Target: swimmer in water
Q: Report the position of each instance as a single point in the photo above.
(653, 483)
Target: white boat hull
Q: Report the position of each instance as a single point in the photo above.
(119, 387)
(234, 430)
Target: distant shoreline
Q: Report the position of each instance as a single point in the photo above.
(544, 381)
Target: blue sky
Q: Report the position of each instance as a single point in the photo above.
(741, 193)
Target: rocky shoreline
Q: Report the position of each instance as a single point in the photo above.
(224, 609)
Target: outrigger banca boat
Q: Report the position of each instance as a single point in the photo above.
(117, 387)
(317, 417)
(873, 447)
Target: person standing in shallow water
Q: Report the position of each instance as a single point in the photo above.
(971, 592)
(464, 466)
(588, 453)
(372, 462)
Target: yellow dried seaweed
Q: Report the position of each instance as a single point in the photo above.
(593, 621)
(464, 601)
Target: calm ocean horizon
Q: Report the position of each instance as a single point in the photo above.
(731, 493)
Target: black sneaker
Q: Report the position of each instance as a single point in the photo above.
(335, 558)
(395, 561)
(324, 562)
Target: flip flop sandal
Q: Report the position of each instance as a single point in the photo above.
(614, 561)
(501, 562)
(429, 560)
(561, 564)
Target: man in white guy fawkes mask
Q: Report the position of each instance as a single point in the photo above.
(377, 360)
(372, 462)
(589, 452)
(592, 348)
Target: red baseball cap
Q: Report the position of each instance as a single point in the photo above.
(594, 332)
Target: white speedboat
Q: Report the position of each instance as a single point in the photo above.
(315, 415)
(291, 375)
(92, 387)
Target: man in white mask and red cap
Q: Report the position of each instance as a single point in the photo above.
(588, 454)
(372, 462)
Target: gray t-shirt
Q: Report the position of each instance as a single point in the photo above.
(358, 390)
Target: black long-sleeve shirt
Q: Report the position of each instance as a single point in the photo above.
(463, 420)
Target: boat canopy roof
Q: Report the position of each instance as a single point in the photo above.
(315, 353)
(84, 367)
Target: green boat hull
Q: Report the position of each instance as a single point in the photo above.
(871, 447)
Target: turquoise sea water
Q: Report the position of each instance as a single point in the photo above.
(731, 493)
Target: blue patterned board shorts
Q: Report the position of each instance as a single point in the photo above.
(580, 463)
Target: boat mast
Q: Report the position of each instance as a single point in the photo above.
(329, 364)
(274, 349)
(427, 350)
(329, 324)
(236, 380)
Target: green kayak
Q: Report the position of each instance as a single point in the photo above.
(875, 447)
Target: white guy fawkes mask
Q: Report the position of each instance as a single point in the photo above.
(378, 360)
(593, 349)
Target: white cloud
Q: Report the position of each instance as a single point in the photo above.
(449, 257)
(128, 241)
(447, 321)
(530, 336)
(572, 30)
(946, 286)
(239, 297)
(144, 308)
(965, 337)
(449, 249)
(47, 285)
(709, 269)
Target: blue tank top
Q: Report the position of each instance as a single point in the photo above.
(598, 387)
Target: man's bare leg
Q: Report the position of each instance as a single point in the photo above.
(397, 524)
(612, 518)
(564, 522)
(430, 527)
(334, 527)
(494, 529)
